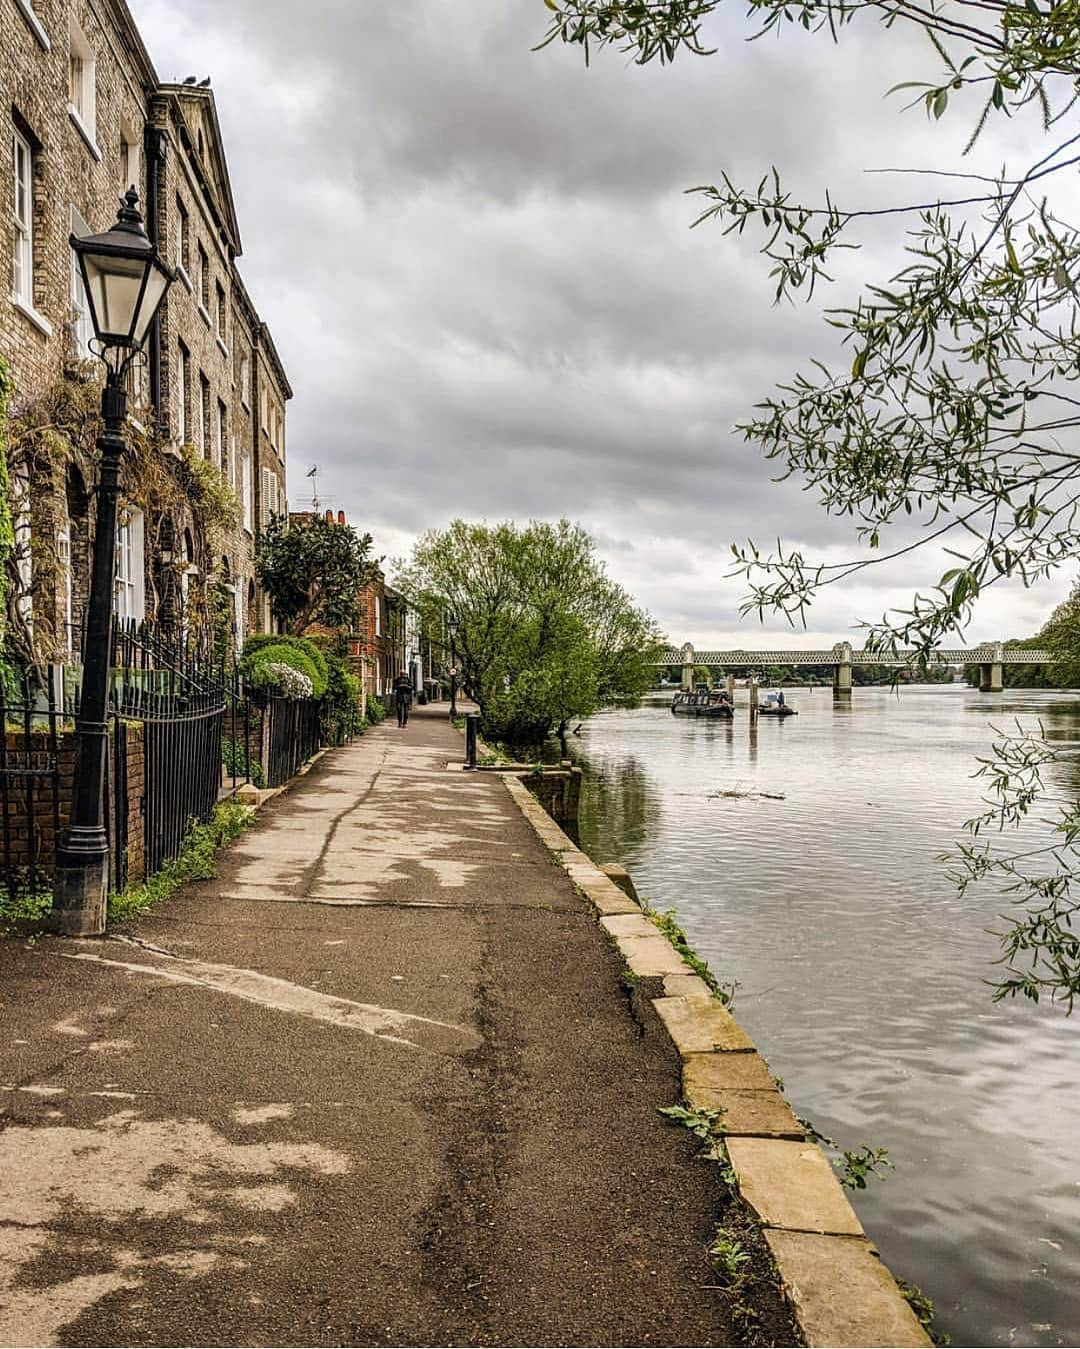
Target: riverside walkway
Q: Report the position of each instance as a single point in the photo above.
(380, 1082)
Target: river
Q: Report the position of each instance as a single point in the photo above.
(862, 975)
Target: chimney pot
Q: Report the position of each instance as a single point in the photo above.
(341, 517)
(330, 517)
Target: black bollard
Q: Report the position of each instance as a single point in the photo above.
(471, 721)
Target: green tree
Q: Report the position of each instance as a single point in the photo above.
(950, 417)
(1061, 635)
(313, 569)
(545, 636)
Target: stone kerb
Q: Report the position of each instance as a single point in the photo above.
(841, 1292)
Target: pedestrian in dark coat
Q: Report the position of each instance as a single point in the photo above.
(403, 695)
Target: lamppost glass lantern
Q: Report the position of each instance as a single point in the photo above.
(125, 279)
(451, 624)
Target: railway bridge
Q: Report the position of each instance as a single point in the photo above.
(990, 657)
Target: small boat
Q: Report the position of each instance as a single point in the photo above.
(772, 707)
(702, 704)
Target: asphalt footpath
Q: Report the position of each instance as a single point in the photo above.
(380, 1082)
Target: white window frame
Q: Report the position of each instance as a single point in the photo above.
(378, 616)
(82, 326)
(221, 437)
(129, 589)
(131, 173)
(181, 391)
(82, 87)
(26, 9)
(246, 492)
(182, 242)
(203, 412)
(63, 556)
(202, 281)
(22, 168)
(24, 544)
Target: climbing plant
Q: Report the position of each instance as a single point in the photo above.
(59, 427)
(7, 524)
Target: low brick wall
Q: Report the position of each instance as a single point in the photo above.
(33, 814)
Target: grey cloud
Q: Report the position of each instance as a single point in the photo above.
(477, 266)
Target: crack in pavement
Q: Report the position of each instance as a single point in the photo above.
(281, 995)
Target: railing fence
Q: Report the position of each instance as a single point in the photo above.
(183, 732)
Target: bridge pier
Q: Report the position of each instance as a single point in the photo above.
(688, 668)
(842, 672)
(731, 689)
(991, 675)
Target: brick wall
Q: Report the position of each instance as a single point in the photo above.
(34, 807)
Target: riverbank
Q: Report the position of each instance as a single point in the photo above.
(864, 976)
(382, 1081)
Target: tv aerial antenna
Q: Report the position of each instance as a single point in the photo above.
(313, 474)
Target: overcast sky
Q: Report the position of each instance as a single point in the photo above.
(476, 263)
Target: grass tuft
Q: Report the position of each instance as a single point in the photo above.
(195, 862)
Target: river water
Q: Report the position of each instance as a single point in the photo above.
(862, 975)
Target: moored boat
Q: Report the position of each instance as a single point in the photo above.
(703, 703)
(773, 707)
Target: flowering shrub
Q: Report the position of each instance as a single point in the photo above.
(277, 677)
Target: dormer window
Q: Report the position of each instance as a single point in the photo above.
(82, 87)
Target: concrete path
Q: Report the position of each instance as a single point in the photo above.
(379, 1083)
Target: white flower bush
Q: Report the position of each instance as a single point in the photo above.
(287, 681)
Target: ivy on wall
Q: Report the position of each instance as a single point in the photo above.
(7, 523)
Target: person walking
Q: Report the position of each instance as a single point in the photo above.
(403, 695)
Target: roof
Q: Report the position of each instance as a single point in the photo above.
(196, 106)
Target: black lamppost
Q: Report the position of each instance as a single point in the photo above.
(451, 628)
(125, 282)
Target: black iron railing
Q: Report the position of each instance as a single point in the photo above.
(290, 735)
(183, 731)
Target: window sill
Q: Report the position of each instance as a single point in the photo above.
(182, 274)
(34, 24)
(40, 322)
(84, 131)
(205, 315)
(221, 344)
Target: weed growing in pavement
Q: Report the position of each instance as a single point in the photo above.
(195, 862)
(23, 907)
(668, 925)
(923, 1308)
(728, 1255)
(855, 1165)
(707, 1125)
(459, 723)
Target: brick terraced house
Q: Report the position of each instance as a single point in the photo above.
(87, 117)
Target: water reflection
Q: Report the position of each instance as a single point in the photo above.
(864, 975)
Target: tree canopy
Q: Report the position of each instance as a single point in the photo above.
(313, 569)
(950, 420)
(544, 635)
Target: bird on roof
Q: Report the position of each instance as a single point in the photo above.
(205, 84)
(190, 79)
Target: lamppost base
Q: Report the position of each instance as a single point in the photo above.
(81, 885)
